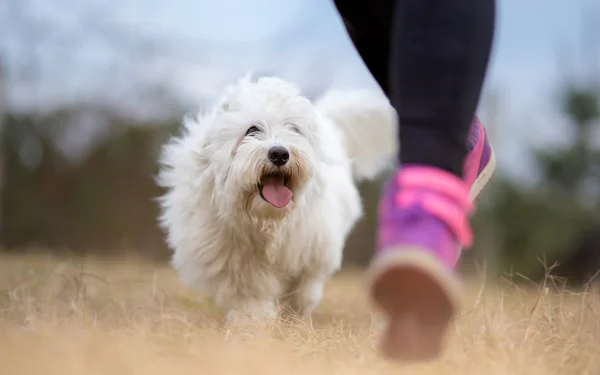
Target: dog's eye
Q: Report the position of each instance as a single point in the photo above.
(295, 128)
(251, 130)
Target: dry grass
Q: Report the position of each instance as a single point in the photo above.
(98, 317)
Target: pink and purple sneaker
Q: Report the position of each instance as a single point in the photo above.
(424, 225)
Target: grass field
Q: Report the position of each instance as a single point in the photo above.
(87, 317)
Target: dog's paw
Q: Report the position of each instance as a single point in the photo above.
(307, 298)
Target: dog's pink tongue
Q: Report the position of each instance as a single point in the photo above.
(275, 192)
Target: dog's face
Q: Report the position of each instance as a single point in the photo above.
(263, 142)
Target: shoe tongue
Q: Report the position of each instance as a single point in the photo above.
(275, 192)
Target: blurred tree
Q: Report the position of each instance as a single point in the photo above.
(557, 219)
(103, 203)
(2, 151)
(535, 226)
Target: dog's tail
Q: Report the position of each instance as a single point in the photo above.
(368, 124)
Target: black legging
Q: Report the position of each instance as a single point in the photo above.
(430, 57)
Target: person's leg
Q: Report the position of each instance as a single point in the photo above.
(439, 68)
(369, 25)
(440, 52)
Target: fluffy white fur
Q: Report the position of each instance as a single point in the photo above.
(229, 243)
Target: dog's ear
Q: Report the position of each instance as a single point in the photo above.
(195, 129)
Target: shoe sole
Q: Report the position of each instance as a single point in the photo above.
(418, 295)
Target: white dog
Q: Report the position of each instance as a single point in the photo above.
(261, 192)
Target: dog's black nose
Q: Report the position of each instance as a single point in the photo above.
(279, 155)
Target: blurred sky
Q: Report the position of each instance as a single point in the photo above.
(304, 41)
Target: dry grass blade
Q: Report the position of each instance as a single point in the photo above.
(128, 317)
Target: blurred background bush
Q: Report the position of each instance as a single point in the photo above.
(90, 89)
